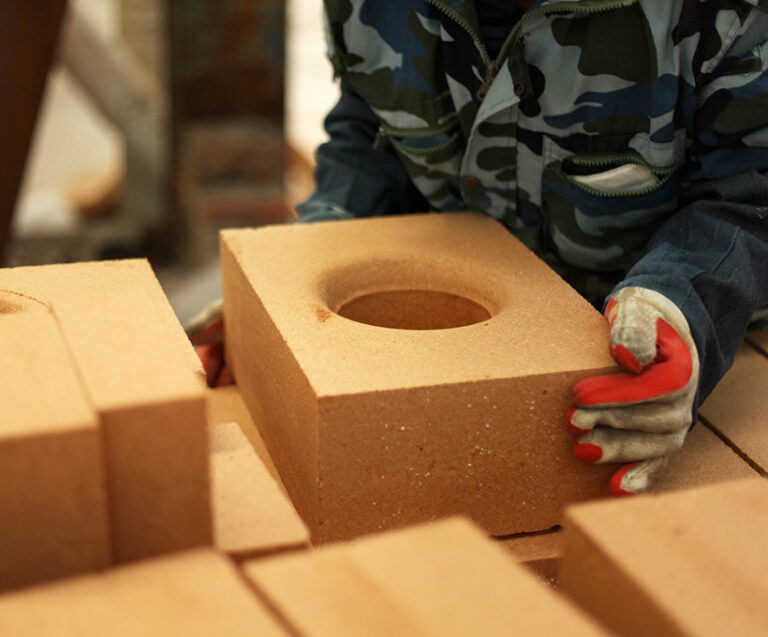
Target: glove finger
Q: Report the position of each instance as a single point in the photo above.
(646, 417)
(670, 374)
(633, 333)
(637, 476)
(225, 377)
(212, 357)
(604, 444)
(209, 315)
(212, 334)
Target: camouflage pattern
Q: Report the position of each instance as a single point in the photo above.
(580, 87)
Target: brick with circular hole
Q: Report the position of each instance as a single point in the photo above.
(411, 367)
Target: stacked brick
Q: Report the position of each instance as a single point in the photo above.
(736, 410)
(103, 443)
(113, 452)
(443, 579)
(689, 563)
(252, 515)
(53, 486)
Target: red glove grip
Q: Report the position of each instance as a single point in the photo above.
(210, 350)
(670, 372)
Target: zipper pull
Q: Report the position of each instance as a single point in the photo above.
(491, 69)
(380, 140)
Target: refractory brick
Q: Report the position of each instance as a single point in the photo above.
(251, 514)
(435, 579)
(139, 374)
(194, 593)
(410, 368)
(689, 563)
(737, 409)
(53, 500)
(704, 459)
(539, 552)
(225, 405)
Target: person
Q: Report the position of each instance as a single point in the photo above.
(624, 141)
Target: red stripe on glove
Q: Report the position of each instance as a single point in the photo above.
(669, 373)
(618, 477)
(587, 452)
(626, 359)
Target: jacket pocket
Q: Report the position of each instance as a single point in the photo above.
(432, 157)
(430, 142)
(616, 176)
(600, 211)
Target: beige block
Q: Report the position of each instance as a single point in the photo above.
(251, 514)
(138, 371)
(441, 579)
(225, 405)
(688, 563)
(195, 594)
(152, 410)
(53, 502)
(704, 459)
(43, 284)
(737, 409)
(539, 552)
(373, 427)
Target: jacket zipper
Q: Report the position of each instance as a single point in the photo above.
(492, 66)
(664, 173)
(385, 132)
(616, 160)
(464, 24)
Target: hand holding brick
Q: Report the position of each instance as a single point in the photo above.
(206, 332)
(643, 415)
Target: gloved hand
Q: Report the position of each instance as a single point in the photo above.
(206, 331)
(640, 416)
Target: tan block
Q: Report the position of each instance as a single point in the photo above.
(373, 427)
(539, 552)
(440, 579)
(195, 594)
(53, 503)
(689, 563)
(138, 371)
(738, 407)
(152, 410)
(39, 285)
(703, 460)
(225, 405)
(251, 514)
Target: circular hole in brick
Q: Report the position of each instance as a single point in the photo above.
(414, 310)
(11, 302)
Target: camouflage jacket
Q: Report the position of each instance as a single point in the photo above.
(600, 135)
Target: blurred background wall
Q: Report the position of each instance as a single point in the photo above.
(163, 121)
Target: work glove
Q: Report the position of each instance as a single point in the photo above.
(206, 331)
(642, 415)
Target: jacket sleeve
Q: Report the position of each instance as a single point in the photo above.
(711, 257)
(355, 178)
